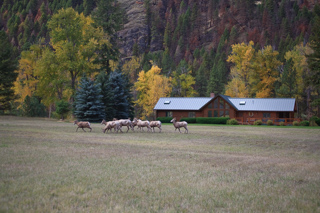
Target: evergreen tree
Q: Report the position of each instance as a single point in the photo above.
(32, 107)
(110, 17)
(217, 77)
(314, 61)
(201, 82)
(107, 95)
(88, 104)
(121, 104)
(88, 6)
(7, 74)
(288, 87)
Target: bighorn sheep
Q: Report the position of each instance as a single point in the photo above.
(154, 124)
(82, 124)
(111, 124)
(141, 124)
(178, 125)
(134, 122)
(125, 122)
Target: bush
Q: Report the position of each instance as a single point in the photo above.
(189, 120)
(258, 122)
(269, 122)
(281, 123)
(221, 120)
(164, 119)
(304, 123)
(62, 108)
(232, 122)
(314, 121)
(295, 123)
(32, 107)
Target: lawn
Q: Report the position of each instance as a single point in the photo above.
(45, 166)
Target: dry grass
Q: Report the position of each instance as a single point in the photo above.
(48, 167)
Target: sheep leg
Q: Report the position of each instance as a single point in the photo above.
(186, 130)
(160, 129)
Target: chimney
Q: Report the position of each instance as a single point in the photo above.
(212, 95)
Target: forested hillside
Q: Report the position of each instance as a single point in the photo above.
(240, 48)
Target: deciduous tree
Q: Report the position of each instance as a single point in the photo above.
(151, 86)
(242, 56)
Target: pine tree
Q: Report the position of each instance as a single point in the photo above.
(217, 78)
(7, 74)
(88, 104)
(288, 87)
(314, 61)
(107, 95)
(121, 104)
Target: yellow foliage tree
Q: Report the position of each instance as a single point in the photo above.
(27, 80)
(265, 72)
(151, 86)
(242, 56)
(131, 68)
(236, 87)
(299, 59)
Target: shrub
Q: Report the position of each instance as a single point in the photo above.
(232, 122)
(295, 123)
(304, 123)
(164, 119)
(258, 122)
(62, 108)
(269, 122)
(221, 120)
(189, 120)
(281, 123)
(314, 121)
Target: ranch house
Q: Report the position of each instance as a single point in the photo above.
(244, 110)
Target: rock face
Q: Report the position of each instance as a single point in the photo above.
(135, 30)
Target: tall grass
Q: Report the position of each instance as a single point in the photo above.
(48, 167)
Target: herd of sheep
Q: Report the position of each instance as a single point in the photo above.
(118, 124)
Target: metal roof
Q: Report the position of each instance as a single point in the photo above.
(247, 104)
(179, 103)
(264, 104)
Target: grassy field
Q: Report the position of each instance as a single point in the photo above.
(45, 166)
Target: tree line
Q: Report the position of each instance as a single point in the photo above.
(80, 49)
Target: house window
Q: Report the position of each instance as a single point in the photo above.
(215, 113)
(168, 113)
(215, 104)
(226, 114)
(192, 114)
(209, 113)
(210, 106)
(283, 114)
(221, 104)
(221, 113)
(266, 115)
(227, 106)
